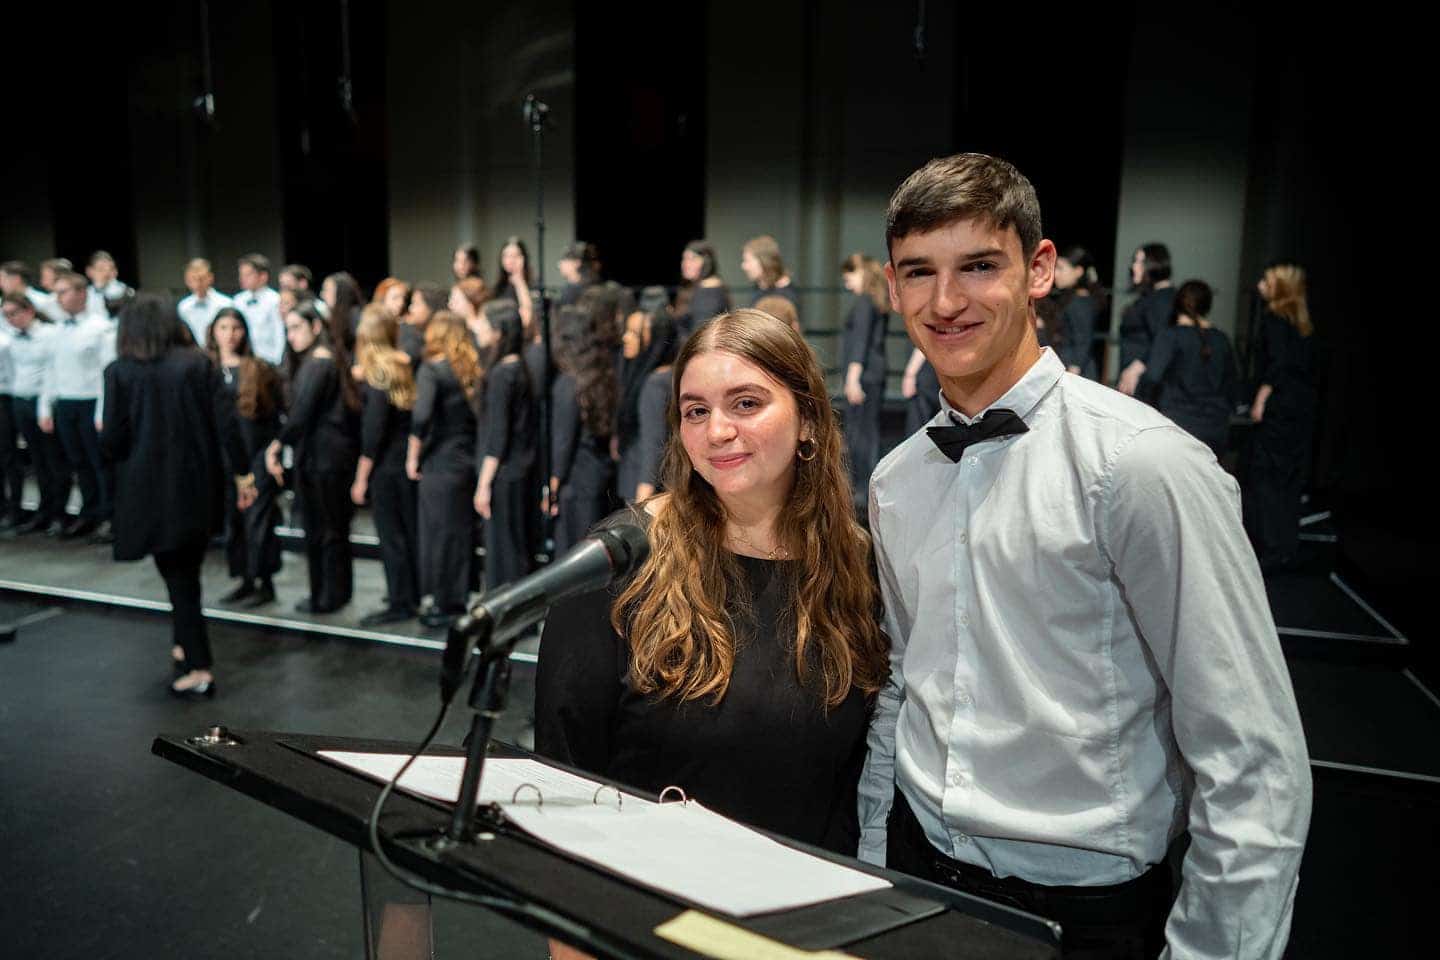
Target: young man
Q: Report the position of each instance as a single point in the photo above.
(261, 306)
(298, 279)
(1084, 665)
(15, 278)
(31, 347)
(204, 301)
(72, 400)
(107, 294)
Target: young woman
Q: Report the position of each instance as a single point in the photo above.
(662, 340)
(583, 402)
(1080, 303)
(1284, 413)
(862, 358)
(393, 294)
(466, 299)
(760, 261)
(441, 457)
(342, 296)
(323, 427)
(252, 401)
(1146, 316)
(388, 395)
(1191, 370)
(705, 288)
(162, 435)
(465, 262)
(740, 660)
(505, 493)
(516, 279)
(648, 344)
(921, 389)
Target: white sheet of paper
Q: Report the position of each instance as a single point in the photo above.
(680, 849)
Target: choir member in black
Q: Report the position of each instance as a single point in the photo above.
(740, 661)
(441, 457)
(761, 263)
(1284, 414)
(323, 427)
(162, 434)
(1080, 302)
(579, 266)
(505, 493)
(862, 359)
(515, 280)
(782, 309)
(648, 344)
(662, 339)
(426, 300)
(251, 403)
(465, 262)
(1191, 370)
(467, 298)
(341, 295)
(393, 294)
(921, 389)
(1146, 316)
(387, 388)
(582, 409)
(703, 294)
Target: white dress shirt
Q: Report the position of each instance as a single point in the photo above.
(45, 304)
(30, 353)
(95, 298)
(267, 328)
(1084, 664)
(83, 347)
(7, 369)
(199, 312)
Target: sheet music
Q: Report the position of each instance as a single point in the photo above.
(681, 849)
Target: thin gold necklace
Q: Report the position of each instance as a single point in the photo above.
(779, 553)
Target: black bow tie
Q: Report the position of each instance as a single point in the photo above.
(71, 321)
(952, 441)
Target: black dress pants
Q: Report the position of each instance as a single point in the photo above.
(75, 426)
(46, 457)
(393, 496)
(262, 546)
(325, 495)
(509, 543)
(862, 439)
(1279, 460)
(12, 471)
(181, 570)
(1125, 921)
(446, 537)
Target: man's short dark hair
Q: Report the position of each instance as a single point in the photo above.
(71, 277)
(299, 271)
(966, 186)
(17, 268)
(19, 300)
(257, 261)
(57, 265)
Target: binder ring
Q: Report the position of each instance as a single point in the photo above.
(619, 797)
(664, 793)
(539, 797)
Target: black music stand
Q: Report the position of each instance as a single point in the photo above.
(284, 771)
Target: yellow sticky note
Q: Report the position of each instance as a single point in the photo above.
(713, 937)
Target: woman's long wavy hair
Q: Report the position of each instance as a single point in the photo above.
(384, 365)
(676, 609)
(447, 338)
(256, 380)
(1288, 297)
(584, 348)
(873, 273)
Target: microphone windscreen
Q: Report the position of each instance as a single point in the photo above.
(628, 546)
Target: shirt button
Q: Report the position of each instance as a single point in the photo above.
(962, 838)
(964, 537)
(962, 698)
(974, 460)
(964, 619)
(957, 779)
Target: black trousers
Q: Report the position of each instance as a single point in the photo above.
(46, 458)
(260, 558)
(862, 438)
(12, 469)
(1278, 462)
(181, 570)
(328, 510)
(75, 426)
(509, 533)
(393, 495)
(1125, 920)
(446, 537)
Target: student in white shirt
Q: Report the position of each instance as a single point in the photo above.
(11, 476)
(1084, 666)
(15, 278)
(31, 346)
(106, 295)
(204, 301)
(261, 306)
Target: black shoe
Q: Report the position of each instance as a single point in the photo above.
(77, 528)
(246, 589)
(104, 534)
(180, 668)
(55, 529)
(381, 617)
(436, 618)
(261, 595)
(9, 522)
(308, 605)
(35, 524)
(8, 533)
(201, 691)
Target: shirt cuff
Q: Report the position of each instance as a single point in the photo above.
(872, 846)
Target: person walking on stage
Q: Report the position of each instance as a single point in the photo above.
(1146, 316)
(1191, 370)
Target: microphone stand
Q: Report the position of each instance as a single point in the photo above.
(536, 113)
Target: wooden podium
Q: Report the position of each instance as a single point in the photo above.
(284, 771)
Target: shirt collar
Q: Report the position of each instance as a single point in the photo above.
(1023, 396)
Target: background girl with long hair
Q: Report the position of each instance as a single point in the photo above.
(583, 401)
(862, 359)
(1079, 302)
(1191, 370)
(388, 395)
(1146, 316)
(655, 339)
(702, 294)
(761, 262)
(505, 493)
(514, 278)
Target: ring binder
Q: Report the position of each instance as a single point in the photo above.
(539, 795)
(683, 799)
(619, 797)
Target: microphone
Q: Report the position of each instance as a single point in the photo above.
(605, 556)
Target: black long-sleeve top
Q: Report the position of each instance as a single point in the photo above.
(324, 431)
(1142, 322)
(576, 453)
(1078, 321)
(510, 435)
(1189, 388)
(384, 430)
(444, 419)
(1286, 362)
(245, 438)
(654, 425)
(705, 303)
(787, 291)
(863, 341)
(411, 339)
(768, 754)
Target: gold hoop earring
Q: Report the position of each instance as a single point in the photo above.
(800, 450)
